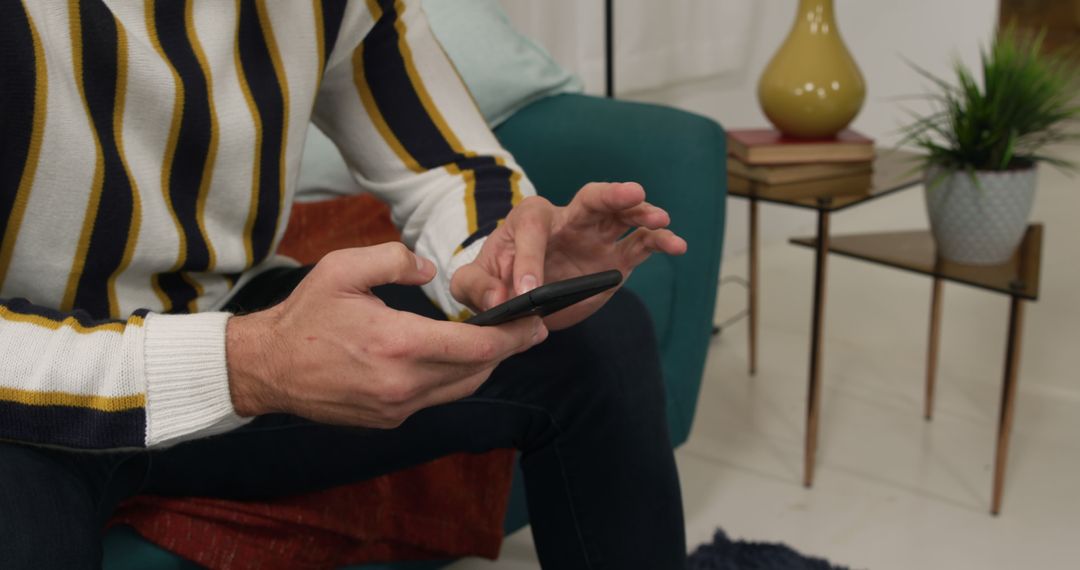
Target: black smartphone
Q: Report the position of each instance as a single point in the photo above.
(549, 298)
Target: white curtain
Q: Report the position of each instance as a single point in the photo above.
(657, 42)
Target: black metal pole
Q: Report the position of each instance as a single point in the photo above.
(609, 50)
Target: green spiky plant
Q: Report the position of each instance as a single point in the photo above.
(1027, 100)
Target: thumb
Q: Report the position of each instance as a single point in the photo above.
(362, 268)
(477, 288)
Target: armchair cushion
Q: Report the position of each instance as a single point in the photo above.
(563, 142)
(451, 507)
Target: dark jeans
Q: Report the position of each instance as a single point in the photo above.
(585, 408)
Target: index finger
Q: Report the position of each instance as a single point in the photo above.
(460, 343)
(531, 225)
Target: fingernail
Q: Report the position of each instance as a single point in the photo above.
(527, 283)
(419, 262)
(489, 299)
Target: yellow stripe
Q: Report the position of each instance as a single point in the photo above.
(368, 100)
(26, 183)
(320, 37)
(461, 80)
(515, 182)
(170, 151)
(211, 157)
(193, 305)
(372, 109)
(441, 124)
(118, 132)
(375, 9)
(253, 205)
(155, 284)
(464, 315)
(99, 403)
(70, 322)
(211, 153)
(418, 84)
(79, 263)
(469, 175)
(283, 81)
(470, 195)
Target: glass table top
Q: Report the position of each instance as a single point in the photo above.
(893, 170)
(915, 251)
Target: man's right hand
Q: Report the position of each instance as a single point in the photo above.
(332, 352)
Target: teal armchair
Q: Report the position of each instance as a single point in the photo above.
(563, 142)
(566, 141)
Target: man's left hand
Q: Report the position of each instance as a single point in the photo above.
(606, 226)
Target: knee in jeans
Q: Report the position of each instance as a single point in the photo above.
(618, 348)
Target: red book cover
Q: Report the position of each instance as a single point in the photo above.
(764, 137)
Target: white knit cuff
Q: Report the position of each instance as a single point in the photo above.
(187, 378)
(439, 288)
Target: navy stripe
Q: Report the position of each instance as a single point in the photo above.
(404, 112)
(270, 104)
(493, 197)
(333, 11)
(192, 148)
(397, 100)
(22, 306)
(72, 427)
(481, 232)
(108, 237)
(16, 102)
(177, 289)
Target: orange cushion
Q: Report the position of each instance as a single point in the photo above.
(448, 508)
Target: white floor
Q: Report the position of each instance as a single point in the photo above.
(892, 491)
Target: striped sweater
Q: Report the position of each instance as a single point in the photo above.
(148, 159)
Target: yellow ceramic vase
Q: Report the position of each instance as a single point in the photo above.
(812, 87)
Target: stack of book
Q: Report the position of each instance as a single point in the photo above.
(796, 168)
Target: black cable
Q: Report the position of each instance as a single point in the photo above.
(609, 49)
(719, 327)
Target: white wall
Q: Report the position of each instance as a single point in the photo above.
(659, 42)
(880, 34)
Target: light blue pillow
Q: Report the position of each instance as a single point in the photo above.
(503, 69)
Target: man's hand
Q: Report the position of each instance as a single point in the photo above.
(334, 353)
(540, 242)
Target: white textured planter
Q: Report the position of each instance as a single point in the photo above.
(979, 224)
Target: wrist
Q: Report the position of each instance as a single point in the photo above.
(253, 362)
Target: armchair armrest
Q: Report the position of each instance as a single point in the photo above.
(565, 141)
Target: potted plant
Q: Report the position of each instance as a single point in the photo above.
(983, 142)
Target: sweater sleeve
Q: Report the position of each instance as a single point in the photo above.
(150, 380)
(411, 133)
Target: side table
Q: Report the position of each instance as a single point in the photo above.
(915, 251)
(894, 170)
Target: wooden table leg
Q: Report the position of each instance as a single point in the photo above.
(752, 300)
(932, 348)
(1008, 399)
(813, 400)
